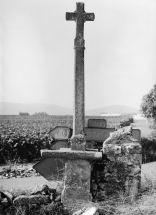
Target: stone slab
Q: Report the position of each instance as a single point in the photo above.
(67, 153)
(76, 182)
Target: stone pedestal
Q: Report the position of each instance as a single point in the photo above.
(76, 192)
(76, 183)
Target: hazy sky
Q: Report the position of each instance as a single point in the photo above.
(37, 55)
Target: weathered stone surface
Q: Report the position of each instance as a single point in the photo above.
(122, 167)
(136, 159)
(121, 142)
(131, 148)
(123, 135)
(127, 148)
(77, 182)
(78, 142)
(42, 189)
(132, 186)
(67, 153)
(80, 16)
(135, 171)
(34, 199)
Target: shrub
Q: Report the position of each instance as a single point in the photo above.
(148, 149)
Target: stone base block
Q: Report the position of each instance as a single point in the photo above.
(68, 154)
(76, 183)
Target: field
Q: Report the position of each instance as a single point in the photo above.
(22, 137)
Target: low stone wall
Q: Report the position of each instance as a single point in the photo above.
(41, 198)
(120, 168)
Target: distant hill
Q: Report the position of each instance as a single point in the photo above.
(112, 109)
(8, 108)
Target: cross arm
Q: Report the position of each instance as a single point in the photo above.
(71, 16)
(89, 16)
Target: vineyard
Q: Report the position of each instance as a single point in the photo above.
(22, 137)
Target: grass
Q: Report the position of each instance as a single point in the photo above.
(144, 205)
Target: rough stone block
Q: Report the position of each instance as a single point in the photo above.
(124, 148)
(77, 182)
(136, 159)
(123, 135)
(131, 148)
(67, 153)
(124, 152)
(132, 186)
(34, 199)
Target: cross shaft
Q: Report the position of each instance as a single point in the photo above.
(80, 17)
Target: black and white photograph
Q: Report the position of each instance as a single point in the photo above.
(77, 107)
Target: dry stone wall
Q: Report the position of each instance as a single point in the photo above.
(41, 199)
(120, 168)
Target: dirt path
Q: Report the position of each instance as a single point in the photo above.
(148, 171)
(28, 183)
(25, 182)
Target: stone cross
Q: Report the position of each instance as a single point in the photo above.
(79, 16)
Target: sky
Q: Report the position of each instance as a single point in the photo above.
(37, 55)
